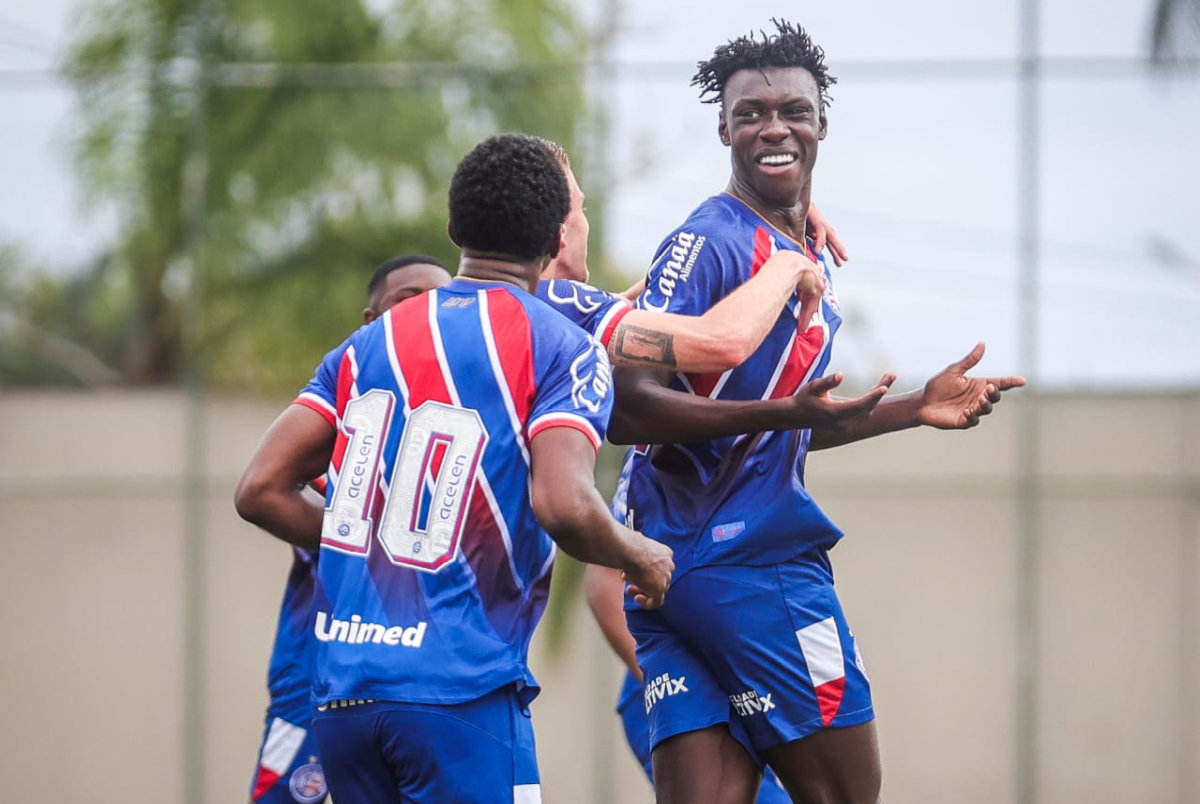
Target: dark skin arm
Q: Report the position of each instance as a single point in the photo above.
(648, 412)
(950, 400)
(566, 503)
(273, 491)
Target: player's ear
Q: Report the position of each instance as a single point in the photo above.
(369, 315)
(450, 232)
(824, 129)
(558, 242)
(722, 128)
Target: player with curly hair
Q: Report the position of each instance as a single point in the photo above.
(458, 433)
(751, 661)
(289, 770)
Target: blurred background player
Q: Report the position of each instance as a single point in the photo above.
(289, 768)
(753, 622)
(445, 465)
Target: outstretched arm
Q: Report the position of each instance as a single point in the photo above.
(727, 333)
(950, 400)
(273, 491)
(648, 412)
(566, 503)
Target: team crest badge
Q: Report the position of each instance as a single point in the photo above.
(308, 783)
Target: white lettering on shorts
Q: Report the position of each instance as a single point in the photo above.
(663, 687)
(751, 703)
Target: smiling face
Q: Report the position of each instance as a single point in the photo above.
(772, 121)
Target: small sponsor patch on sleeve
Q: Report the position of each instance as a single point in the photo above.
(723, 533)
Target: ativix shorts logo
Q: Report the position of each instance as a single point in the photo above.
(663, 687)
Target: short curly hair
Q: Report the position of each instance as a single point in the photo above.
(789, 46)
(509, 196)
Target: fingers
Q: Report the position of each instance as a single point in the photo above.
(967, 363)
(1006, 383)
(824, 385)
(645, 599)
(811, 303)
(836, 247)
(886, 380)
(819, 239)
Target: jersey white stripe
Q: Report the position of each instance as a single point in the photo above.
(783, 359)
(497, 513)
(309, 396)
(527, 794)
(560, 415)
(613, 311)
(716, 391)
(822, 649)
(279, 749)
(353, 356)
(489, 337)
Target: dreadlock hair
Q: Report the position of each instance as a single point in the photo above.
(395, 264)
(789, 46)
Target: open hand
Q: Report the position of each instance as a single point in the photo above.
(818, 409)
(954, 401)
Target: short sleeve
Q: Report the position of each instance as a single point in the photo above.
(574, 388)
(594, 310)
(320, 394)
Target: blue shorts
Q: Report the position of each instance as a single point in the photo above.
(631, 706)
(765, 649)
(289, 771)
(478, 752)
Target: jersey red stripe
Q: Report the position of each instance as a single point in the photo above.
(804, 352)
(511, 334)
(762, 249)
(412, 339)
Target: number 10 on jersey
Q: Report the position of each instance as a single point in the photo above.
(431, 486)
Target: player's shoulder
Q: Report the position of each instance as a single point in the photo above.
(715, 214)
(544, 320)
(558, 289)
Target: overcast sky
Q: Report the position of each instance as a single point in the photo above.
(918, 173)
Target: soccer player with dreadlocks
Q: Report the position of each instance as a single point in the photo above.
(750, 661)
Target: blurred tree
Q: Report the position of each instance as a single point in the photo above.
(327, 134)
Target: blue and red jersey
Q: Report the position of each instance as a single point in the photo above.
(289, 674)
(433, 571)
(591, 308)
(737, 500)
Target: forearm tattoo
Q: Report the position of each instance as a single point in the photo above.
(641, 345)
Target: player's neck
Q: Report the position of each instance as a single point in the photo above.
(488, 267)
(787, 218)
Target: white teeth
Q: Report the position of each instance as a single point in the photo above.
(777, 159)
